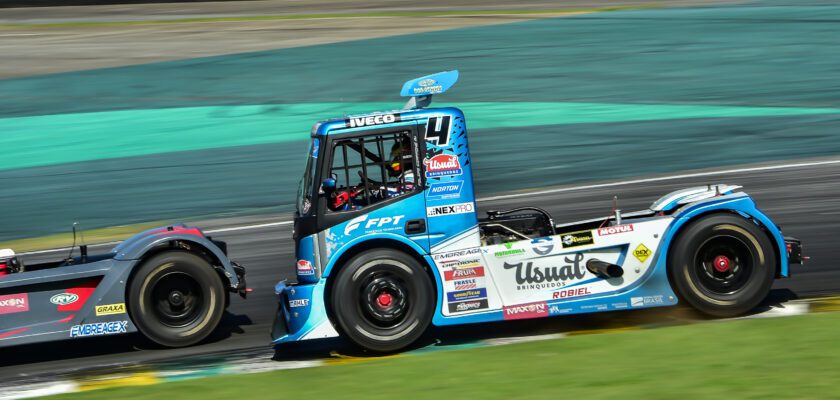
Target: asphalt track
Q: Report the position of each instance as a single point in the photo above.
(804, 201)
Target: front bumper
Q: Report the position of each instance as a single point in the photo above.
(301, 313)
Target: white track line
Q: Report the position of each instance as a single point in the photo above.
(537, 193)
(662, 178)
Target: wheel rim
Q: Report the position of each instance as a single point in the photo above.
(723, 265)
(177, 299)
(384, 299)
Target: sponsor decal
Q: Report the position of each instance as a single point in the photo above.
(452, 209)
(358, 122)
(63, 299)
(304, 267)
(509, 252)
(463, 273)
(442, 165)
(567, 293)
(316, 144)
(646, 301)
(373, 224)
(456, 254)
(612, 230)
(463, 306)
(460, 263)
(531, 277)
(14, 303)
(524, 311)
(437, 130)
(641, 252)
(99, 329)
(446, 189)
(554, 310)
(110, 309)
(467, 294)
(575, 239)
(464, 284)
(298, 303)
(542, 246)
(430, 87)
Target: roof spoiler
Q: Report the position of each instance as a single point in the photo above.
(421, 89)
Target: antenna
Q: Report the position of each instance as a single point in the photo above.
(70, 256)
(616, 211)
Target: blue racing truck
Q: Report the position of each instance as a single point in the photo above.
(388, 240)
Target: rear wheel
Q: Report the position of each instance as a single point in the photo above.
(383, 300)
(176, 299)
(723, 265)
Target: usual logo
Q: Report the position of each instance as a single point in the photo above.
(464, 306)
(446, 190)
(463, 273)
(452, 209)
(99, 329)
(530, 276)
(371, 120)
(612, 230)
(304, 267)
(298, 303)
(442, 165)
(14, 303)
(63, 299)
(577, 239)
(378, 224)
(467, 294)
(641, 252)
(530, 310)
(110, 309)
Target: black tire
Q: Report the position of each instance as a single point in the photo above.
(382, 300)
(722, 265)
(176, 299)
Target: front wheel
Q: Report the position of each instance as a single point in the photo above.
(723, 265)
(383, 300)
(176, 299)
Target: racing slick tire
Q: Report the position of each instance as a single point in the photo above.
(722, 265)
(383, 300)
(176, 299)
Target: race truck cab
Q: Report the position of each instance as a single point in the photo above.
(388, 240)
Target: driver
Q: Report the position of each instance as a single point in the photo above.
(401, 167)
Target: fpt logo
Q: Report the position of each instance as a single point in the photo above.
(373, 224)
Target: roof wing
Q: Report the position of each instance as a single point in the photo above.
(421, 89)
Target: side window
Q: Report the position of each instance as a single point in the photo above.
(371, 169)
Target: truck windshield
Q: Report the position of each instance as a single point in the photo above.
(305, 187)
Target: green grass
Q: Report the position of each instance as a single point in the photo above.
(374, 14)
(89, 236)
(794, 357)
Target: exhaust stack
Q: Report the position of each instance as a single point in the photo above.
(604, 269)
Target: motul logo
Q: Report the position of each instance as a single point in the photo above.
(615, 229)
(371, 120)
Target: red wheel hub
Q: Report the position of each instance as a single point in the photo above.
(722, 263)
(384, 299)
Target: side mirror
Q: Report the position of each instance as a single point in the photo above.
(328, 184)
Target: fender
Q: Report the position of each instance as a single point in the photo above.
(334, 257)
(137, 246)
(741, 203)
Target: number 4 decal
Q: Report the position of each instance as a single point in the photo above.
(437, 130)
